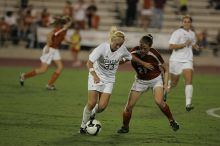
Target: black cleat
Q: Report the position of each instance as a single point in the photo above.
(21, 79)
(92, 117)
(175, 126)
(123, 130)
(189, 107)
(82, 131)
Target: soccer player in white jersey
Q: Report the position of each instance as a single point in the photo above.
(103, 64)
(182, 41)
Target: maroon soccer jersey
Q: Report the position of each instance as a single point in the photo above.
(153, 57)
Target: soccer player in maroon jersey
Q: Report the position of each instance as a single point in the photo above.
(154, 77)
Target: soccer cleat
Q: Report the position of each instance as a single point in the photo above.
(189, 107)
(123, 130)
(175, 126)
(50, 87)
(82, 131)
(92, 117)
(21, 79)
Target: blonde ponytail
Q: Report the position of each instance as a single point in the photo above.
(115, 33)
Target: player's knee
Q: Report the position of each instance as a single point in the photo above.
(41, 70)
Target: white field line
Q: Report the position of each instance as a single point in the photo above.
(211, 112)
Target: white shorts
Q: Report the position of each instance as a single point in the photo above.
(53, 54)
(144, 85)
(177, 67)
(100, 87)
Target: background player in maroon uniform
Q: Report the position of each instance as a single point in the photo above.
(148, 78)
(51, 52)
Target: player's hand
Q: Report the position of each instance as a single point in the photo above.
(148, 66)
(96, 79)
(196, 47)
(188, 43)
(166, 88)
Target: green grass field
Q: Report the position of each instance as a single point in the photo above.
(33, 116)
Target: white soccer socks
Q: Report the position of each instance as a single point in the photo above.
(86, 116)
(188, 94)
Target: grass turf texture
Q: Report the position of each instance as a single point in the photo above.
(33, 116)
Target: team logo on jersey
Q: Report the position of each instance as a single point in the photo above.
(110, 64)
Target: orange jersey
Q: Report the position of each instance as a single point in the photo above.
(57, 37)
(152, 57)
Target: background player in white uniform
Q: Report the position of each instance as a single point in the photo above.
(102, 64)
(182, 41)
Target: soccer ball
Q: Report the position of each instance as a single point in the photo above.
(93, 127)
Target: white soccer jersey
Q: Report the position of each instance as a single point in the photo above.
(106, 62)
(180, 36)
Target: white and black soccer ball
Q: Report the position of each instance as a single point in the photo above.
(93, 127)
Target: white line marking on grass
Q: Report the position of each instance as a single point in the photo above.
(211, 112)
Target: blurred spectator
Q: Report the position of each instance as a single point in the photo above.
(91, 12)
(95, 21)
(4, 28)
(157, 19)
(146, 13)
(80, 13)
(29, 29)
(201, 42)
(32, 11)
(68, 9)
(202, 39)
(32, 36)
(183, 9)
(11, 20)
(214, 4)
(131, 12)
(216, 49)
(28, 21)
(23, 4)
(75, 46)
(45, 18)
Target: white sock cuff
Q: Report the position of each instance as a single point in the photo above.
(189, 86)
(86, 109)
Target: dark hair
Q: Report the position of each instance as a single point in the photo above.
(147, 39)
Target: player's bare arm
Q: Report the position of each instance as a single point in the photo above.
(196, 47)
(92, 71)
(145, 64)
(123, 61)
(180, 46)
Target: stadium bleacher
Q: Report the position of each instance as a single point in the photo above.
(112, 12)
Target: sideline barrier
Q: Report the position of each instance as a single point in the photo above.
(92, 38)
